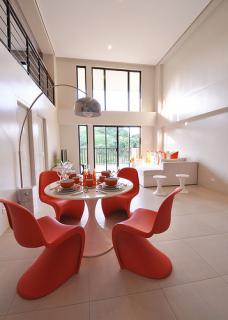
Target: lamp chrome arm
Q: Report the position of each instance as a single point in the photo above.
(86, 107)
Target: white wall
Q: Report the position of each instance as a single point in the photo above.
(66, 73)
(194, 89)
(16, 86)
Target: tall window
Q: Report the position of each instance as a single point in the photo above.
(115, 146)
(83, 146)
(81, 81)
(117, 90)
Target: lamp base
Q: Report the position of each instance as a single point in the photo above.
(27, 198)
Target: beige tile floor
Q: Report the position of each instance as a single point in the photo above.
(197, 289)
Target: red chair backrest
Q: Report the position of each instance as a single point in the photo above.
(46, 177)
(132, 175)
(163, 218)
(25, 227)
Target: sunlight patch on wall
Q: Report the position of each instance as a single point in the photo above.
(169, 143)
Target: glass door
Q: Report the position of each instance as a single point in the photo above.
(83, 146)
(114, 146)
(111, 143)
(105, 148)
(124, 146)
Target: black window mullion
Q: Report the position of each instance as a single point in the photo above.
(140, 96)
(106, 165)
(104, 74)
(94, 148)
(140, 140)
(79, 145)
(117, 147)
(128, 90)
(87, 153)
(129, 144)
(79, 140)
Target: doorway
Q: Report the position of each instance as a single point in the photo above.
(115, 146)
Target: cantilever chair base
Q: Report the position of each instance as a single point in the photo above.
(134, 252)
(138, 255)
(62, 255)
(52, 268)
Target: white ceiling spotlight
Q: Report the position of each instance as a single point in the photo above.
(109, 47)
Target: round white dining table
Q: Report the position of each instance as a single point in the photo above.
(97, 242)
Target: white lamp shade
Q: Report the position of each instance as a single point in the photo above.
(87, 107)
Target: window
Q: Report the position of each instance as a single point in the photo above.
(81, 81)
(83, 146)
(115, 146)
(117, 90)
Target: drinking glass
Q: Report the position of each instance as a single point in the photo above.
(59, 168)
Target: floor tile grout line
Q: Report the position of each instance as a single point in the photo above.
(193, 237)
(169, 304)
(48, 308)
(116, 296)
(190, 282)
(10, 304)
(125, 295)
(203, 259)
(194, 282)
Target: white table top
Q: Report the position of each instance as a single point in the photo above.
(92, 193)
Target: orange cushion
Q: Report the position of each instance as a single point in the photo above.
(174, 155)
(163, 155)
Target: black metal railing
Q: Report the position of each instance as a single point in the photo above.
(16, 40)
(83, 155)
(109, 155)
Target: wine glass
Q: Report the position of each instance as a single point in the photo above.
(59, 168)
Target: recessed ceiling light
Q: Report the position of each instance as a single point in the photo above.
(109, 47)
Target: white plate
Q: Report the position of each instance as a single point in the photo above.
(112, 188)
(64, 191)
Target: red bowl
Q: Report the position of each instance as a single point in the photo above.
(106, 173)
(67, 183)
(111, 182)
(76, 179)
(102, 178)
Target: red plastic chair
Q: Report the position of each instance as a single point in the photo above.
(134, 252)
(62, 207)
(122, 203)
(60, 259)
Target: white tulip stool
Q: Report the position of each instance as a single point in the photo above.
(182, 177)
(159, 191)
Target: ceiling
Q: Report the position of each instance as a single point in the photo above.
(139, 31)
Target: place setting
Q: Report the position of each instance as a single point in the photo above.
(109, 183)
(69, 180)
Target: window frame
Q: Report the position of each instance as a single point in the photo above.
(128, 85)
(117, 147)
(79, 144)
(83, 67)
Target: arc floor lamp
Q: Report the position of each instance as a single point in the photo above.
(84, 107)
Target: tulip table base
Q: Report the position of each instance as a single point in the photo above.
(96, 240)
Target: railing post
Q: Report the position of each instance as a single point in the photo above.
(27, 55)
(39, 72)
(8, 25)
(47, 83)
